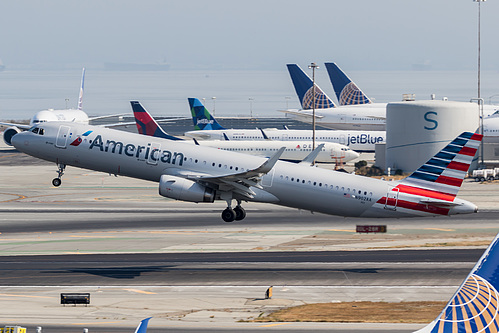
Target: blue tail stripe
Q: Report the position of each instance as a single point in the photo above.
(445, 156)
(452, 149)
(424, 176)
(431, 169)
(438, 163)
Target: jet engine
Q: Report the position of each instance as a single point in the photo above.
(9, 133)
(185, 189)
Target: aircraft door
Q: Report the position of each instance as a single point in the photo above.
(154, 154)
(62, 137)
(343, 140)
(268, 178)
(392, 197)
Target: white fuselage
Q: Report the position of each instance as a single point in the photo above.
(295, 151)
(359, 141)
(369, 117)
(287, 184)
(69, 115)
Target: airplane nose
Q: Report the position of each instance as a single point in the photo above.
(18, 141)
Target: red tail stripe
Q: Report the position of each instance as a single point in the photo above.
(415, 206)
(426, 193)
(458, 166)
(477, 137)
(468, 151)
(449, 181)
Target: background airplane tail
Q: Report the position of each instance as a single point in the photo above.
(80, 97)
(201, 117)
(475, 305)
(146, 124)
(142, 328)
(304, 89)
(346, 91)
(444, 173)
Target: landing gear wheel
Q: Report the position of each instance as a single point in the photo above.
(240, 213)
(228, 215)
(56, 182)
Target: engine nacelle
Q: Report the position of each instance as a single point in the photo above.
(9, 133)
(185, 189)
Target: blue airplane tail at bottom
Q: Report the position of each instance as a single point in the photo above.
(346, 91)
(201, 117)
(142, 328)
(475, 305)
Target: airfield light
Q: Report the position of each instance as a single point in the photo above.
(313, 66)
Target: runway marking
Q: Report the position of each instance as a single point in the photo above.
(19, 197)
(141, 291)
(342, 230)
(439, 229)
(27, 296)
(272, 325)
(96, 323)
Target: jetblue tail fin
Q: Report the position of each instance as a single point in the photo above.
(444, 173)
(475, 305)
(142, 328)
(80, 97)
(304, 89)
(346, 91)
(201, 117)
(146, 124)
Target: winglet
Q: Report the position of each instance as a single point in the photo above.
(346, 90)
(313, 155)
(269, 164)
(304, 89)
(475, 305)
(142, 328)
(201, 117)
(146, 124)
(265, 136)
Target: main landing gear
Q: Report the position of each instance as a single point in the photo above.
(236, 214)
(57, 181)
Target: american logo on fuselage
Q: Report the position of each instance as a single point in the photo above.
(140, 152)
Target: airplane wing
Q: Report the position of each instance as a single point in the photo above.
(20, 126)
(239, 183)
(301, 113)
(312, 156)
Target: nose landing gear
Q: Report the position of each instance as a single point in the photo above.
(57, 181)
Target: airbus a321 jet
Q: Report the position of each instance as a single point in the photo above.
(201, 174)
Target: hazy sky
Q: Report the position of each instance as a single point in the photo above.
(256, 34)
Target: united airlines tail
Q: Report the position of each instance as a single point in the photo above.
(201, 117)
(142, 328)
(146, 124)
(346, 91)
(304, 89)
(474, 307)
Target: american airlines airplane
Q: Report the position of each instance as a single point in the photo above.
(201, 174)
(208, 128)
(475, 306)
(295, 151)
(362, 116)
(70, 115)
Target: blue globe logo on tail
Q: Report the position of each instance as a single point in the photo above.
(321, 99)
(352, 95)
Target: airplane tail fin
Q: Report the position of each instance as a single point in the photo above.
(304, 89)
(441, 177)
(80, 97)
(346, 91)
(142, 328)
(146, 124)
(201, 117)
(475, 305)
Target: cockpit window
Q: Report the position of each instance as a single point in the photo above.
(35, 130)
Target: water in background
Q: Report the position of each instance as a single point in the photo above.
(238, 93)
